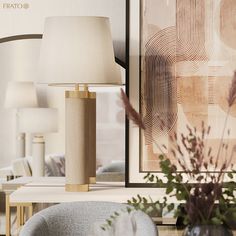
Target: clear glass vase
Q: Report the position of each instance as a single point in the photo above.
(207, 230)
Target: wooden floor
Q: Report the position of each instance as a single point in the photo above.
(169, 231)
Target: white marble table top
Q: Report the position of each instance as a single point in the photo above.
(44, 182)
(98, 192)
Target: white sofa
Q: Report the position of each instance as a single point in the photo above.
(55, 166)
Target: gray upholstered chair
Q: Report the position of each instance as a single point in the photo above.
(77, 218)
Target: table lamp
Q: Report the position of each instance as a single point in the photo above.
(78, 51)
(20, 94)
(38, 121)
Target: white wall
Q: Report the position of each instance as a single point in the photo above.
(19, 59)
(31, 20)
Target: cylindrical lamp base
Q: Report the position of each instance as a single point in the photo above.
(38, 153)
(77, 140)
(20, 145)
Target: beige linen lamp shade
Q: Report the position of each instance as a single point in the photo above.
(20, 94)
(78, 49)
(38, 120)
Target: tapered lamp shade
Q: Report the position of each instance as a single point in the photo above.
(20, 95)
(78, 49)
(38, 120)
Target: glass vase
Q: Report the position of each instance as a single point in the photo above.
(207, 230)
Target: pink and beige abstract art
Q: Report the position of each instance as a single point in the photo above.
(188, 55)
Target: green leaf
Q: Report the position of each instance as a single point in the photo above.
(146, 176)
(186, 221)
(134, 200)
(109, 222)
(145, 200)
(200, 178)
(171, 207)
(179, 178)
(116, 213)
(230, 175)
(180, 196)
(151, 178)
(169, 189)
(216, 221)
(139, 198)
(129, 209)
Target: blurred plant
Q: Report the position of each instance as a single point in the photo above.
(113, 217)
(200, 185)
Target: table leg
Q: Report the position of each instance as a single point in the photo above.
(8, 216)
(30, 211)
(18, 216)
(22, 217)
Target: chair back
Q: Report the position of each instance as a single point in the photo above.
(77, 218)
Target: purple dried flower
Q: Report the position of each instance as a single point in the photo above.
(232, 91)
(131, 112)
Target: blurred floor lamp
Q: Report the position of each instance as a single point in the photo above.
(38, 121)
(20, 94)
(78, 51)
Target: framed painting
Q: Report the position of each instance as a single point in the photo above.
(182, 59)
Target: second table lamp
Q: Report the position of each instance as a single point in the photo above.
(38, 121)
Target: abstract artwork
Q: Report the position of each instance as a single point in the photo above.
(188, 55)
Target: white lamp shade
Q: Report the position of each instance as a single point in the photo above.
(77, 49)
(38, 120)
(21, 94)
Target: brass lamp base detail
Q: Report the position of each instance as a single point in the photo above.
(77, 187)
(92, 180)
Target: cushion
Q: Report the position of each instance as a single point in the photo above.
(113, 167)
(55, 165)
(20, 167)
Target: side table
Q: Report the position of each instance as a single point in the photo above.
(11, 186)
(30, 194)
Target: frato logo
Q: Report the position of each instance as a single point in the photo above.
(23, 6)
